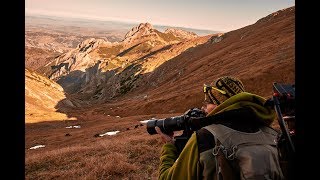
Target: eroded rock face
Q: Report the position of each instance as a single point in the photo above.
(76, 59)
(143, 37)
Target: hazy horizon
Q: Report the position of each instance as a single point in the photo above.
(222, 16)
(104, 24)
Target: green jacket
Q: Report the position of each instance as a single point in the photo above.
(191, 164)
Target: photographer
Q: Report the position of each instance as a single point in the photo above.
(243, 114)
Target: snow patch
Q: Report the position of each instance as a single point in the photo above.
(37, 146)
(111, 133)
(69, 127)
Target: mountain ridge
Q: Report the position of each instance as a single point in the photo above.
(141, 43)
(144, 69)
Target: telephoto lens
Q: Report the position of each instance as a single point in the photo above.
(167, 125)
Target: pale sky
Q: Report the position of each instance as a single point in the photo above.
(215, 15)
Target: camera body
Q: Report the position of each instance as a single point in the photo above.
(285, 93)
(284, 103)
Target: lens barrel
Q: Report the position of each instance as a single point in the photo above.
(167, 125)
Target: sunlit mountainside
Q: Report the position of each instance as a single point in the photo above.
(41, 97)
(48, 36)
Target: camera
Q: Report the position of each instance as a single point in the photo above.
(286, 96)
(284, 103)
(176, 123)
(189, 122)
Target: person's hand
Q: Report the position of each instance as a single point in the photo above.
(165, 137)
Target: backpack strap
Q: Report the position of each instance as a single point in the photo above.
(224, 169)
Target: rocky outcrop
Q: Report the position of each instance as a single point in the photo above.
(88, 45)
(77, 59)
(181, 33)
(216, 38)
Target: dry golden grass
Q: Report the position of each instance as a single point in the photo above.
(130, 154)
(109, 51)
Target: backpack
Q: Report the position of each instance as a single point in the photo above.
(241, 155)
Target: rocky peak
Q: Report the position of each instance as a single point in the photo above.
(181, 33)
(140, 30)
(89, 44)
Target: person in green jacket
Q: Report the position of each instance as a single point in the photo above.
(196, 160)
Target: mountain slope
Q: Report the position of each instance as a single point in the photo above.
(100, 70)
(259, 55)
(151, 72)
(41, 98)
